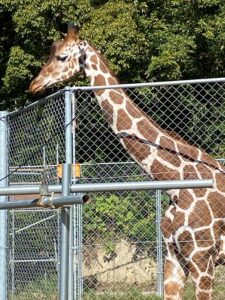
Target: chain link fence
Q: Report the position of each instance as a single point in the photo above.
(117, 248)
(36, 147)
(120, 248)
(121, 257)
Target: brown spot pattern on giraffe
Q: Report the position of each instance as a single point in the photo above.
(178, 221)
(186, 243)
(94, 67)
(207, 158)
(200, 215)
(169, 157)
(103, 68)
(139, 150)
(65, 69)
(149, 133)
(99, 92)
(56, 74)
(63, 77)
(172, 289)
(116, 97)
(99, 80)
(123, 120)
(204, 296)
(161, 172)
(174, 198)
(218, 229)
(107, 111)
(49, 69)
(188, 151)
(94, 59)
(167, 143)
(204, 171)
(190, 172)
(112, 81)
(217, 204)
(193, 270)
(220, 182)
(201, 259)
(203, 238)
(71, 64)
(185, 199)
(166, 227)
(168, 268)
(176, 136)
(200, 192)
(133, 110)
(205, 283)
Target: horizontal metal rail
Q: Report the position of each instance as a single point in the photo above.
(47, 201)
(64, 200)
(126, 86)
(108, 187)
(145, 84)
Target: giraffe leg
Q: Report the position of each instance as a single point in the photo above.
(202, 272)
(174, 278)
(220, 258)
(175, 271)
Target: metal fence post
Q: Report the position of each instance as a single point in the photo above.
(77, 229)
(65, 221)
(3, 214)
(65, 212)
(159, 245)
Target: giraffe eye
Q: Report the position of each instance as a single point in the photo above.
(61, 57)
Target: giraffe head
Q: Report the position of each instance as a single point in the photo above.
(66, 59)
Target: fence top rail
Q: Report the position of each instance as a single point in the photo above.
(108, 187)
(125, 86)
(38, 102)
(146, 84)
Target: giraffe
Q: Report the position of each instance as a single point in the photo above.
(194, 224)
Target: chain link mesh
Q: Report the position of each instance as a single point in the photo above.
(36, 147)
(121, 252)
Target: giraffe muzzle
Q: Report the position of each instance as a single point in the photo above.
(37, 87)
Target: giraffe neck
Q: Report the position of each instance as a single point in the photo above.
(119, 110)
(97, 70)
(126, 119)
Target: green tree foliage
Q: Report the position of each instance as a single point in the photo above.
(29, 27)
(117, 217)
(143, 40)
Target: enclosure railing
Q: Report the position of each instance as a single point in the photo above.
(45, 200)
(66, 200)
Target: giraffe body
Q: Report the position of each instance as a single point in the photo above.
(194, 225)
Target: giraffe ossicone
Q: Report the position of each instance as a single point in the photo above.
(194, 225)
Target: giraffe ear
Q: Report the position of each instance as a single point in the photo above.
(72, 31)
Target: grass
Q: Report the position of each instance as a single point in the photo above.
(132, 294)
(218, 292)
(46, 290)
(42, 289)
